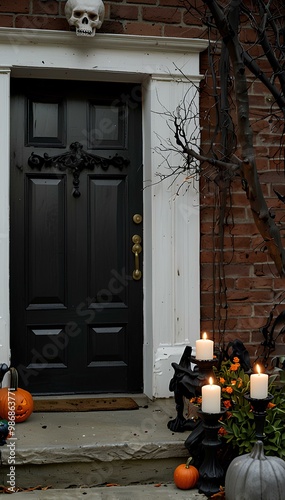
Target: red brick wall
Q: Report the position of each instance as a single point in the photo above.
(130, 17)
(237, 296)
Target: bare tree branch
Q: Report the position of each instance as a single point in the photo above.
(232, 130)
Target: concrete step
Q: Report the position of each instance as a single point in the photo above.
(91, 449)
(138, 492)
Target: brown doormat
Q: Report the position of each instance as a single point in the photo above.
(84, 404)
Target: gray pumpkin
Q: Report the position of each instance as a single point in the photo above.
(255, 476)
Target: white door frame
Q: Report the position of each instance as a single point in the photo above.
(171, 225)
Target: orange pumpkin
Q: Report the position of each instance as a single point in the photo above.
(186, 476)
(15, 401)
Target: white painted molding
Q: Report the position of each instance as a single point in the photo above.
(163, 370)
(102, 41)
(4, 214)
(115, 57)
(171, 228)
(175, 238)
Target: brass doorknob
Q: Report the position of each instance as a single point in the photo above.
(137, 249)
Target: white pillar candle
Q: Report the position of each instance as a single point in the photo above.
(211, 398)
(258, 385)
(204, 348)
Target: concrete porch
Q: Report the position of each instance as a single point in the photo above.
(92, 449)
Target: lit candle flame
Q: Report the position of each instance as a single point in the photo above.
(204, 336)
(258, 369)
(211, 381)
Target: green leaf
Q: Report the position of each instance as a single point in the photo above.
(236, 430)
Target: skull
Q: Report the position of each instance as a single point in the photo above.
(85, 15)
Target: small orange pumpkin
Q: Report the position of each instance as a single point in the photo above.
(186, 476)
(15, 402)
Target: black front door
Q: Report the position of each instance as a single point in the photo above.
(76, 236)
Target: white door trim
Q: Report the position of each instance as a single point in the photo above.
(171, 234)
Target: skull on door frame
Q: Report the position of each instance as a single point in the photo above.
(85, 15)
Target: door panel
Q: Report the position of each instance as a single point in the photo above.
(45, 223)
(109, 193)
(76, 182)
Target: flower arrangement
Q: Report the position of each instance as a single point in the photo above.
(237, 426)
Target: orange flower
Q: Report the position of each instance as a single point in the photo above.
(271, 405)
(222, 380)
(227, 403)
(233, 382)
(236, 360)
(229, 390)
(197, 400)
(222, 431)
(234, 367)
